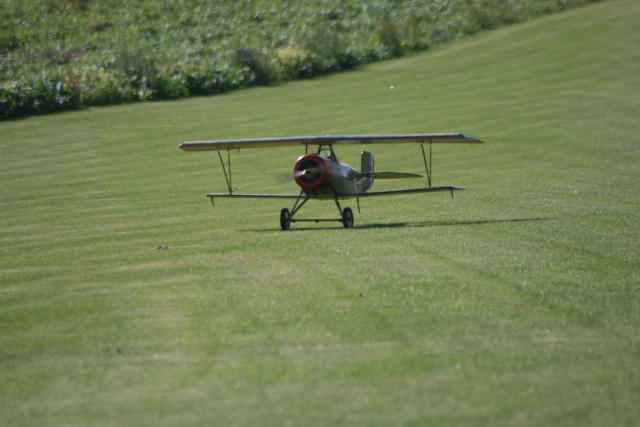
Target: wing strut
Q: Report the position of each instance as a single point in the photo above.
(226, 177)
(428, 166)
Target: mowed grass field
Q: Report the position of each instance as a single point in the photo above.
(126, 299)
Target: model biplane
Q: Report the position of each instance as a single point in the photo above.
(320, 175)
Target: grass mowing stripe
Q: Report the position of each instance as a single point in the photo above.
(514, 303)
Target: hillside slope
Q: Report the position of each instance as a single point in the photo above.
(58, 55)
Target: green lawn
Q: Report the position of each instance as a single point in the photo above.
(516, 303)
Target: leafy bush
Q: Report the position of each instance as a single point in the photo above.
(390, 36)
(255, 64)
(211, 81)
(46, 94)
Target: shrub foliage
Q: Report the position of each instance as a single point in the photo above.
(58, 55)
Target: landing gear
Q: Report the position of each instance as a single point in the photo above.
(286, 216)
(285, 219)
(347, 218)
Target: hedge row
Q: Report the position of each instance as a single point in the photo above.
(60, 90)
(53, 91)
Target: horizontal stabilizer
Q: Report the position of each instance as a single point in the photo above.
(450, 188)
(390, 175)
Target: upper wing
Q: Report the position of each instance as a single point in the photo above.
(237, 144)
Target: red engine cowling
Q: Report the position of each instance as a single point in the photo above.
(311, 172)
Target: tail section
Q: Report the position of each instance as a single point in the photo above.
(366, 169)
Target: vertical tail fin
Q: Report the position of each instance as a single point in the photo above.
(366, 168)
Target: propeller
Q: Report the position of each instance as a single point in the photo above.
(317, 170)
(309, 172)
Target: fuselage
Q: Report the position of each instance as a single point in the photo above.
(323, 177)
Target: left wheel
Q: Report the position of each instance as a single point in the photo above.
(347, 218)
(285, 219)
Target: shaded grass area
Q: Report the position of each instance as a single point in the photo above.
(516, 303)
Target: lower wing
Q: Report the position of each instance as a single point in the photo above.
(450, 188)
(255, 195)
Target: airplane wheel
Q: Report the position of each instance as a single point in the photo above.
(285, 219)
(347, 218)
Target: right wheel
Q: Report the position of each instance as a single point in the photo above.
(285, 219)
(347, 218)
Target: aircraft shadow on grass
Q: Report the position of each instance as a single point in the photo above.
(421, 224)
(417, 224)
